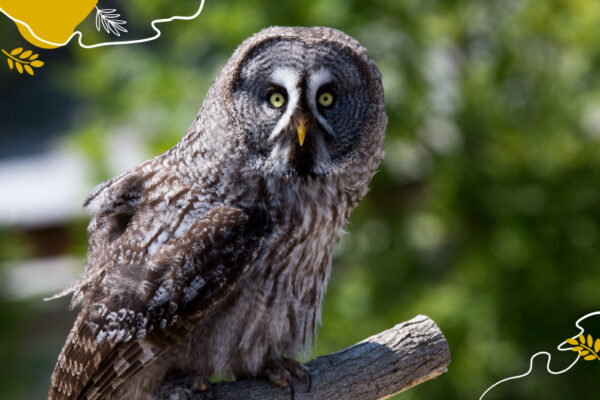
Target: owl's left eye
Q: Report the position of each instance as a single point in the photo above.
(326, 99)
(277, 99)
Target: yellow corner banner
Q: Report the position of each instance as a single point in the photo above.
(52, 21)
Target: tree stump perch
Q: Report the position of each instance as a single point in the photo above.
(382, 365)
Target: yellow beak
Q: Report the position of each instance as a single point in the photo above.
(301, 129)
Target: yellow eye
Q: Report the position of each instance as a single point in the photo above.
(277, 100)
(325, 99)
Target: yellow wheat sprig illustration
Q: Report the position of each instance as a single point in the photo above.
(22, 60)
(588, 349)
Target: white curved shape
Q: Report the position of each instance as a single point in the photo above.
(315, 81)
(115, 43)
(288, 79)
(560, 347)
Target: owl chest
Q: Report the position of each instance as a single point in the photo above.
(288, 279)
(276, 309)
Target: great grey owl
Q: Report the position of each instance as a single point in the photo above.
(213, 257)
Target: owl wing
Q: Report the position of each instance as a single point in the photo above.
(130, 322)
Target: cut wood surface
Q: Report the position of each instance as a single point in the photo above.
(387, 363)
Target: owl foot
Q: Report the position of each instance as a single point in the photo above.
(202, 384)
(185, 387)
(280, 373)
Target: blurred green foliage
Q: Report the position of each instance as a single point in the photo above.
(485, 213)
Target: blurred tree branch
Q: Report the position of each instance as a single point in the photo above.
(387, 363)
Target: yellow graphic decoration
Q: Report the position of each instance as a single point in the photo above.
(588, 349)
(53, 21)
(51, 24)
(23, 60)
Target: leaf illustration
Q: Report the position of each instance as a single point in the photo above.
(22, 60)
(588, 348)
(105, 25)
(108, 19)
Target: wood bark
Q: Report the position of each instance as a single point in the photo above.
(382, 365)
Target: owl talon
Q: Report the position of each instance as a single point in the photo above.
(202, 385)
(280, 373)
(178, 386)
(299, 371)
(308, 380)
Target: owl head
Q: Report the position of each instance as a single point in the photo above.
(300, 102)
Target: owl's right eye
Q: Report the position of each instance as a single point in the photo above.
(277, 99)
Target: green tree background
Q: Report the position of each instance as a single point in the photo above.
(484, 215)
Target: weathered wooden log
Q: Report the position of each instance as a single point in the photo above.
(387, 363)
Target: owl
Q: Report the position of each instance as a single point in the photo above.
(213, 258)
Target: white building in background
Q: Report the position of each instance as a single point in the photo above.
(44, 192)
